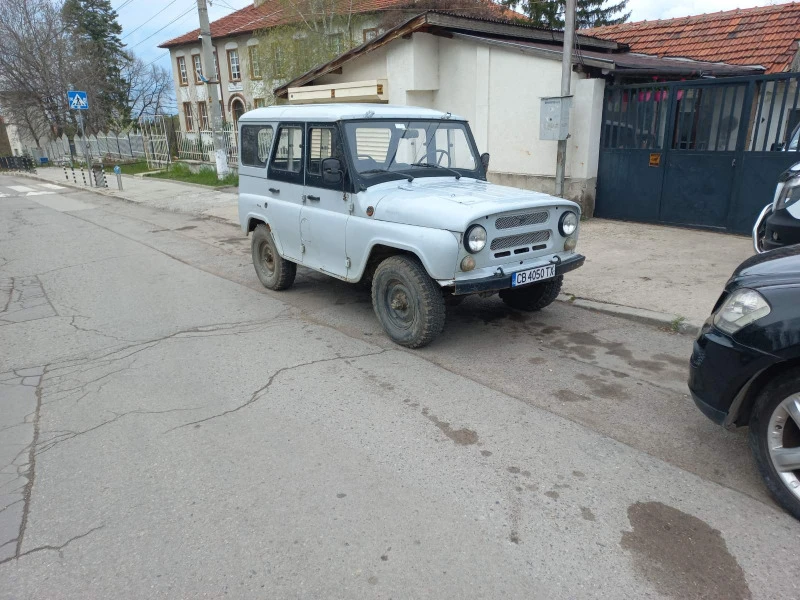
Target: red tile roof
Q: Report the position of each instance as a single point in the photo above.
(764, 36)
(272, 13)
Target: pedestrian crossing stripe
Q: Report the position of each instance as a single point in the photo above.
(51, 186)
(20, 188)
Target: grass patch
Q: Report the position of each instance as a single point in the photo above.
(676, 324)
(206, 176)
(133, 168)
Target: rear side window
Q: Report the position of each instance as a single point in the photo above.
(256, 143)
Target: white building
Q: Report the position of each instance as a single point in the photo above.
(495, 74)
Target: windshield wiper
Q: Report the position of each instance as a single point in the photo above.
(409, 177)
(430, 166)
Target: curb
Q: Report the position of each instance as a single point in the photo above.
(674, 323)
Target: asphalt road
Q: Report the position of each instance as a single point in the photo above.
(170, 429)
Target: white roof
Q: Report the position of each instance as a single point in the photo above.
(336, 112)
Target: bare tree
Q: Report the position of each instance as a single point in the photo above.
(149, 89)
(36, 67)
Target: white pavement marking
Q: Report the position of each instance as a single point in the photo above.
(20, 188)
(39, 193)
(51, 186)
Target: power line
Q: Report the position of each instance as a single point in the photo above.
(123, 5)
(150, 19)
(162, 29)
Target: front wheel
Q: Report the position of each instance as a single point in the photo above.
(408, 303)
(273, 271)
(775, 439)
(533, 297)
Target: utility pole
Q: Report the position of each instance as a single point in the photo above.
(220, 152)
(566, 75)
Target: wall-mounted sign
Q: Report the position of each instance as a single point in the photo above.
(655, 159)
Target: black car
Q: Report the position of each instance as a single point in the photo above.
(778, 224)
(745, 367)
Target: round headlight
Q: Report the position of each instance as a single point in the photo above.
(568, 223)
(475, 239)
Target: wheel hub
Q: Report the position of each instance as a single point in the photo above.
(400, 307)
(784, 442)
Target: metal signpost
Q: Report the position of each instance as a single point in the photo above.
(80, 101)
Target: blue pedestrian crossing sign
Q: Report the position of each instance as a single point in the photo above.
(77, 100)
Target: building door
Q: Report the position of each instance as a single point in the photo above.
(237, 109)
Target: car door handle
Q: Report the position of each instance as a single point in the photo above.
(314, 198)
(275, 190)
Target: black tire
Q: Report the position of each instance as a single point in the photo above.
(273, 271)
(768, 402)
(408, 303)
(533, 297)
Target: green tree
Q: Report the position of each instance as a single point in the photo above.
(95, 31)
(589, 13)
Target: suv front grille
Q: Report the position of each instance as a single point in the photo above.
(522, 239)
(522, 220)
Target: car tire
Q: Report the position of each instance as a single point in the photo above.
(273, 271)
(772, 432)
(408, 303)
(533, 297)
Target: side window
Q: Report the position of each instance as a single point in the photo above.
(256, 144)
(287, 159)
(323, 142)
(320, 147)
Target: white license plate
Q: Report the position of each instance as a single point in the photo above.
(533, 275)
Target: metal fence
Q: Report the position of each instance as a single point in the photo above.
(199, 145)
(155, 140)
(17, 163)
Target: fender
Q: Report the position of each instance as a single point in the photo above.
(437, 249)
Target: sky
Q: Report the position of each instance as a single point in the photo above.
(147, 23)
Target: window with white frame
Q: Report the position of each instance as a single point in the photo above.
(234, 71)
(202, 112)
(183, 76)
(198, 68)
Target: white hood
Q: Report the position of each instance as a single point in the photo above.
(447, 203)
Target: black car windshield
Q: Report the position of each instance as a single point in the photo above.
(394, 149)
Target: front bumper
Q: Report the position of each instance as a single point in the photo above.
(719, 370)
(782, 229)
(502, 280)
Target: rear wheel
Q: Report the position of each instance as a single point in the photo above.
(775, 439)
(273, 271)
(533, 297)
(408, 303)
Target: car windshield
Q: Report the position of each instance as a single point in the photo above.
(411, 148)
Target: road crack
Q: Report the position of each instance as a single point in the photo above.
(58, 549)
(31, 473)
(257, 394)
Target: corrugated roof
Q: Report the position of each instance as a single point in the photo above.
(764, 36)
(272, 13)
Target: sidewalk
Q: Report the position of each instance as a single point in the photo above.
(667, 276)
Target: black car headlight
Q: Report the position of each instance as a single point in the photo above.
(740, 309)
(475, 239)
(789, 194)
(568, 223)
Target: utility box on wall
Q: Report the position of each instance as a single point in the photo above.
(554, 118)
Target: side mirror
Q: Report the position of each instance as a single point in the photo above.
(778, 147)
(485, 161)
(331, 171)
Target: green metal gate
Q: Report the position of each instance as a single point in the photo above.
(704, 153)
